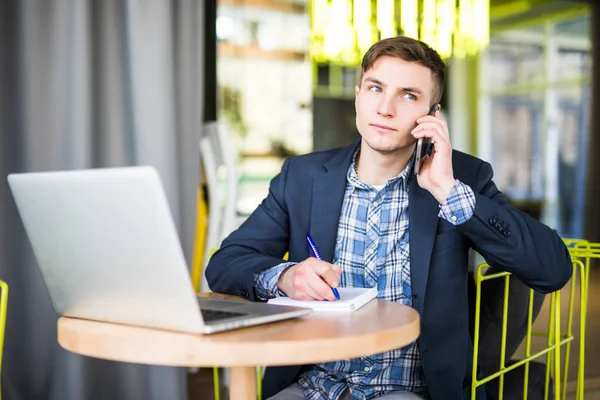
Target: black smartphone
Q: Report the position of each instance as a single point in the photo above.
(424, 146)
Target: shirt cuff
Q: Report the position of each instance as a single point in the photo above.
(265, 281)
(459, 205)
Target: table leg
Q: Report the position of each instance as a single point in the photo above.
(242, 384)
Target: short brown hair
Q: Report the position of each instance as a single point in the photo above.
(411, 50)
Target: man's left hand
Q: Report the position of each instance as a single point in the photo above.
(436, 175)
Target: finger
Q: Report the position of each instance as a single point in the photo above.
(332, 277)
(303, 289)
(329, 272)
(322, 279)
(310, 293)
(327, 276)
(434, 120)
(436, 117)
(440, 142)
(431, 126)
(319, 288)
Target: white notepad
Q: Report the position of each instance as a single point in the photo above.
(351, 299)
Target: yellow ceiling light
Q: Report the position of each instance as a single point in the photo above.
(386, 21)
(364, 30)
(409, 17)
(446, 22)
(342, 30)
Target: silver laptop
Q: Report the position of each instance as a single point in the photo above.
(108, 250)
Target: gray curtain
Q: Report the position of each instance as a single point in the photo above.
(86, 84)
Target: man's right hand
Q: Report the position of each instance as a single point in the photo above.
(312, 279)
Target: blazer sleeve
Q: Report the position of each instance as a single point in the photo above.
(512, 241)
(259, 243)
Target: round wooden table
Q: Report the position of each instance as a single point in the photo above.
(377, 327)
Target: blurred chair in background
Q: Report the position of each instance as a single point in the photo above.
(217, 196)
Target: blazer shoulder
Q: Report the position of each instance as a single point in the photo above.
(466, 167)
(464, 160)
(312, 162)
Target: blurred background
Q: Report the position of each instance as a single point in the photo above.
(217, 93)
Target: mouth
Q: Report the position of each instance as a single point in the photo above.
(383, 128)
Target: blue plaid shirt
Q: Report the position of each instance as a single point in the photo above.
(372, 249)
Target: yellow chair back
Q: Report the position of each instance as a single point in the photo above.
(581, 252)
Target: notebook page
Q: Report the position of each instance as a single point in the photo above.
(351, 299)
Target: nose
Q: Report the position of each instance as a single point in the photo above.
(386, 107)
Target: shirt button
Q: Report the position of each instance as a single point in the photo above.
(371, 251)
(368, 369)
(454, 219)
(375, 204)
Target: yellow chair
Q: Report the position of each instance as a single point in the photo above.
(555, 339)
(200, 240)
(583, 251)
(3, 305)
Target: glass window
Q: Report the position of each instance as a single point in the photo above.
(573, 122)
(517, 143)
(513, 63)
(577, 27)
(521, 77)
(573, 64)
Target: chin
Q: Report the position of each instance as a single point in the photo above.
(386, 146)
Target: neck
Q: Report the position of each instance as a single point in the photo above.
(377, 168)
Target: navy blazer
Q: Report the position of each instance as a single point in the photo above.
(307, 195)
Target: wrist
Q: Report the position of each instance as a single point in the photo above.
(444, 189)
(281, 280)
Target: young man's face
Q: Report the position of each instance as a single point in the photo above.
(393, 94)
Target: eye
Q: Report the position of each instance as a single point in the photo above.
(375, 89)
(410, 96)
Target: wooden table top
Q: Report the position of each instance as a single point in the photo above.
(377, 327)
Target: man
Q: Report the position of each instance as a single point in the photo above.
(377, 225)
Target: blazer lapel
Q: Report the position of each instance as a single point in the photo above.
(423, 212)
(328, 196)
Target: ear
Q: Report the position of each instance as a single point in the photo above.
(356, 90)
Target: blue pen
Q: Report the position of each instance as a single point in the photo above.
(316, 253)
